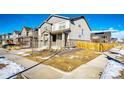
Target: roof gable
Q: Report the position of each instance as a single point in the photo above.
(57, 16)
(27, 28)
(67, 18)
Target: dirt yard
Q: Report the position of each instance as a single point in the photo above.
(122, 74)
(2, 66)
(67, 60)
(13, 48)
(39, 55)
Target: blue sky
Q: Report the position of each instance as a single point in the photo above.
(11, 22)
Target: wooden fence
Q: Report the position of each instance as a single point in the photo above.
(95, 46)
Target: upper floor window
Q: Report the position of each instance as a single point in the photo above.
(79, 25)
(62, 25)
(79, 36)
(53, 27)
(27, 33)
(104, 36)
(82, 31)
(45, 28)
(59, 36)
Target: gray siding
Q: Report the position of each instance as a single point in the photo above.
(79, 30)
(103, 37)
(55, 20)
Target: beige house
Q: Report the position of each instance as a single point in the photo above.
(58, 31)
(3, 39)
(101, 37)
(15, 36)
(28, 37)
(6, 38)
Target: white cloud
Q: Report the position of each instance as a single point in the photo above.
(112, 29)
(119, 34)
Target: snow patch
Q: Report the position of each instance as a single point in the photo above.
(11, 68)
(112, 70)
(121, 52)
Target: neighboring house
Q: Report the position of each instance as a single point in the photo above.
(4, 37)
(114, 39)
(58, 31)
(15, 36)
(101, 37)
(7, 38)
(0, 39)
(10, 36)
(28, 37)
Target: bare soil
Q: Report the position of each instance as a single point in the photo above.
(67, 60)
(37, 56)
(2, 66)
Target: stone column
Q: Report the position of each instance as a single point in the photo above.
(63, 39)
(49, 41)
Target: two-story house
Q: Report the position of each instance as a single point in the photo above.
(4, 38)
(15, 36)
(59, 31)
(101, 36)
(28, 37)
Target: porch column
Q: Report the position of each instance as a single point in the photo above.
(63, 39)
(49, 41)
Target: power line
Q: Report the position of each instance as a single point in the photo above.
(32, 66)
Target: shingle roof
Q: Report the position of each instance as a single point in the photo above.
(9, 33)
(27, 28)
(17, 32)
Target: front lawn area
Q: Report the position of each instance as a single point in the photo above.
(37, 56)
(67, 61)
(2, 66)
(10, 48)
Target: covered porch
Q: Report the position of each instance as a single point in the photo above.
(59, 39)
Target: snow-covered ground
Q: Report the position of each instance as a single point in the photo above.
(112, 70)
(10, 69)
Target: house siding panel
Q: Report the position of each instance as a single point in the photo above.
(80, 30)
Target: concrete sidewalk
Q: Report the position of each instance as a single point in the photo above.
(90, 70)
(41, 71)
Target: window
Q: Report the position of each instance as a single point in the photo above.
(46, 37)
(104, 36)
(27, 33)
(82, 31)
(62, 25)
(104, 41)
(45, 28)
(45, 34)
(79, 25)
(54, 38)
(79, 36)
(59, 36)
(53, 27)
